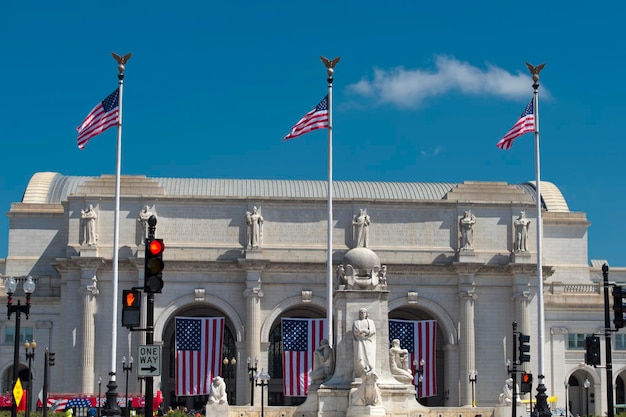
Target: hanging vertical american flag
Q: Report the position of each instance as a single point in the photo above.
(420, 339)
(300, 339)
(198, 353)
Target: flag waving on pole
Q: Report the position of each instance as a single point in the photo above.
(525, 124)
(420, 339)
(102, 117)
(315, 119)
(300, 339)
(198, 353)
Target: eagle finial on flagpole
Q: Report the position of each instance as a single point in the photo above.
(535, 71)
(121, 60)
(330, 64)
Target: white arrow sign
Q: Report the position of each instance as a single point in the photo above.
(149, 362)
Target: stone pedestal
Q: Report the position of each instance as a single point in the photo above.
(466, 255)
(89, 251)
(507, 411)
(521, 258)
(216, 410)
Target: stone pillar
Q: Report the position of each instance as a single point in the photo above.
(521, 298)
(467, 342)
(89, 291)
(451, 359)
(253, 294)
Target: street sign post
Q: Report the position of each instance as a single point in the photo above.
(149, 360)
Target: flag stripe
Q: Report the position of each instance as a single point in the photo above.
(525, 124)
(301, 337)
(99, 119)
(198, 353)
(420, 339)
(315, 119)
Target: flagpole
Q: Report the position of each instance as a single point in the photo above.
(111, 407)
(541, 409)
(330, 65)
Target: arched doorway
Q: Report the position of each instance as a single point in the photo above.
(168, 376)
(581, 395)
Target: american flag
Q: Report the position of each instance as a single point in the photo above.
(300, 339)
(78, 403)
(419, 338)
(198, 353)
(102, 117)
(315, 119)
(525, 124)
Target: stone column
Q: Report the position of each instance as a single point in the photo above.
(253, 294)
(451, 359)
(89, 291)
(522, 297)
(467, 342)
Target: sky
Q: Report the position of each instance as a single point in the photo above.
(423, 92)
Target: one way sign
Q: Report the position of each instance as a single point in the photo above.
(149, 363)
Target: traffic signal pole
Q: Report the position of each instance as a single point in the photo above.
(607, 343)
(149, 402)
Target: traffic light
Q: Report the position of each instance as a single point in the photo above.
(153, 279)
(50, 358)
(527, 383)
(618, 306)
(592, 350)
(524, 347)
(131, 308)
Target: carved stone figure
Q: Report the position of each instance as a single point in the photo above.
(368, 393)
(89, 217)
(323, 363)
(217, 395)
(506, 398)
(399, 362)
(341, 275)
(361, 224)
(144, 215)
(466, 226)
(254, 221)
(521, 232)
(364, 333)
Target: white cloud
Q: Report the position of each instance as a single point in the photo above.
(411, 88)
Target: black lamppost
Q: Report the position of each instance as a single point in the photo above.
(586, 384)
(566, 398)
(229, 366)
(252, 373)
(418, 369)
(99, 393)
(127, 369)
(262, 380)
(10, 286)
(473, 377)
(29, 348)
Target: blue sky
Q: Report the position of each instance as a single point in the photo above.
(423, 92)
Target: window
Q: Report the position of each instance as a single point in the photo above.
(620, 341)
(26, 333)
(576, 341)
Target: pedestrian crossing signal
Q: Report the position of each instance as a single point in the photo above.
(131, 308)
(527, 383)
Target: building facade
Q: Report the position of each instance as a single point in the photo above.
(255, 251)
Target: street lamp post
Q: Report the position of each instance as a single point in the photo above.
(10, 286)
(566, 398)
(473, 377)
(252, 374)
(586, 384)
(230, 369)
(99, 393)
(262, 380)
(419, 371)
(127, 369)
(29, 348)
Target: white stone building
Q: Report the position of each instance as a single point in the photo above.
(474, 294)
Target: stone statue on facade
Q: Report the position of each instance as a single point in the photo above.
(361, 224)
(364, 334)
(323, 363)
(521, 232)
(144, 215)
(89, 217)
(506, 397)
(466, 227)
(217, 395)
(368, 393)
(254, 235)
(399, 362)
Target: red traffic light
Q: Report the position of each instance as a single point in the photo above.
(526, 378)
(156, 247)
